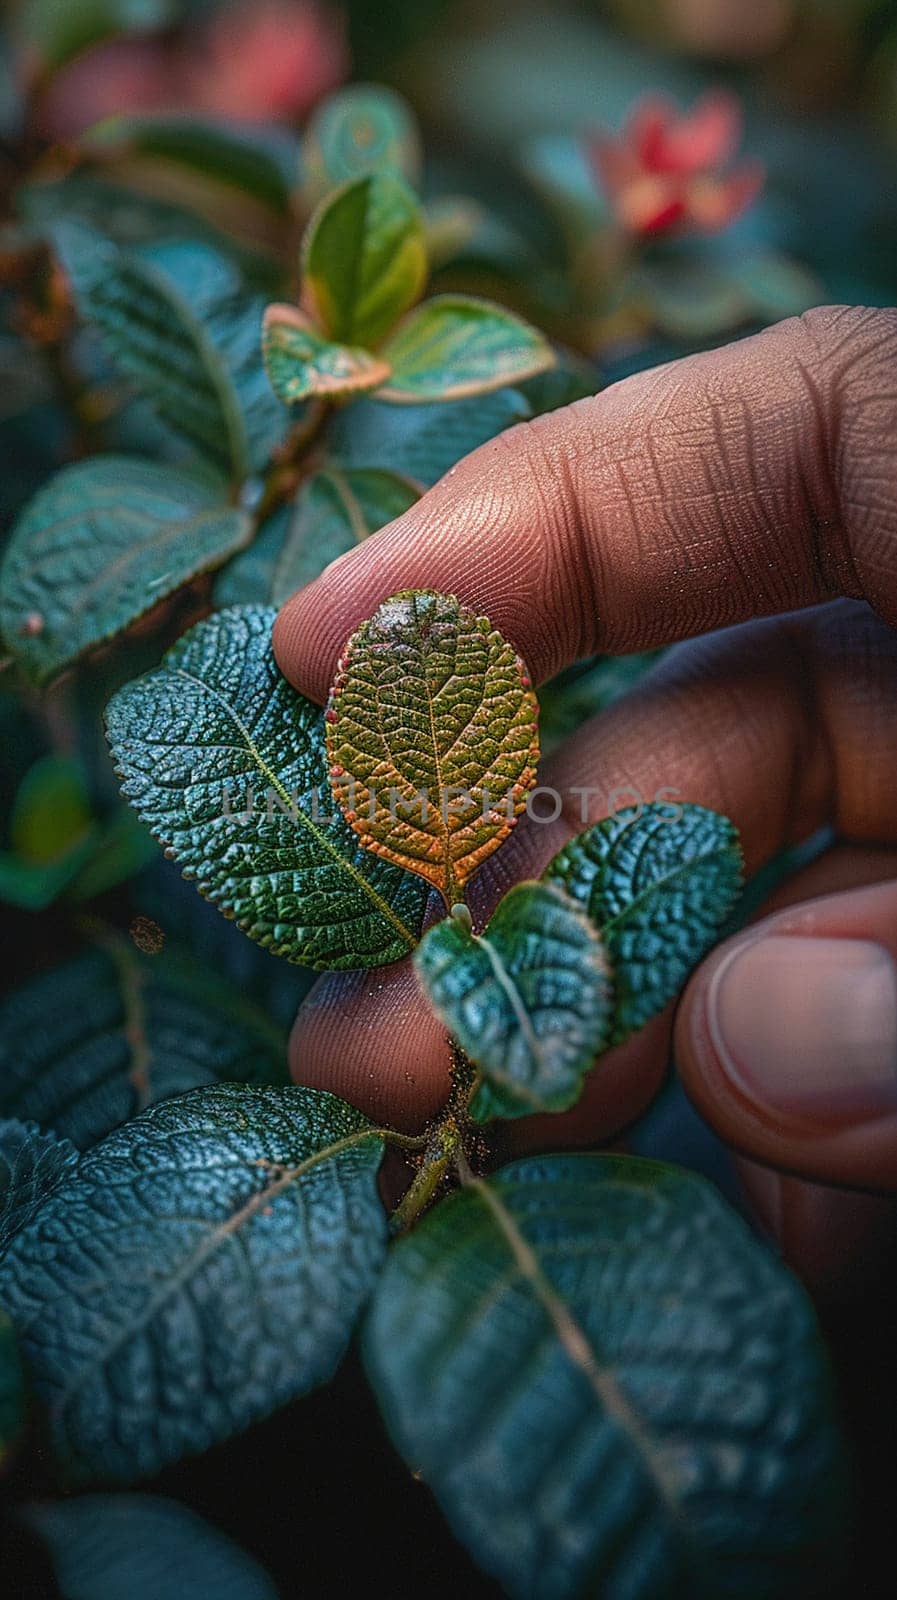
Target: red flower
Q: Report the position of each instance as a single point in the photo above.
(667, 170)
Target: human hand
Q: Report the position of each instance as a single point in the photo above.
(752, 482)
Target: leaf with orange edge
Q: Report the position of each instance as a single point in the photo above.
(303, 365)
(431, 737)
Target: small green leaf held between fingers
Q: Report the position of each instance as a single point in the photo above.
(455, 345)
(301, 365)
(431, 737)
(364, 258)
(101, 544)
(203, 1265)
(225, 763)
(611, 1387)
(530, 1001)
(658, 882)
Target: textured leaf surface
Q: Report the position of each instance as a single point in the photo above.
(334, 511)
(611, 1387)
(530, 1001)
(301, 365)
(178, 322)
(218, 720)
(92, 1042)
(142, 1547)
(431, 736)
(659, 882)
(12, 1390)
(455, 345)
(32, 1165)
(102, 543)
(365, 260)
(362, 128)
(421, 441)
(205, 1264)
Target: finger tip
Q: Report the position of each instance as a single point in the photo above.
(370, 1038)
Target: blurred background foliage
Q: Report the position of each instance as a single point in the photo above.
(640, 178)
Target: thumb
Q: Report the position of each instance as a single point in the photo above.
(787, 1039)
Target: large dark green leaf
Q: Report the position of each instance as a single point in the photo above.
(12, 1390)
(92, 1042)
(454, 346)
(530, 1001)
(364, 258)
(421, 441)
(217, 726)
(363, 128)
(658, 882)
(611, 1387)
(142, 1547)
(334, 511)
(32, 1165)
(178, 322)
(101, 544)
(264, 162)
(205, 1264)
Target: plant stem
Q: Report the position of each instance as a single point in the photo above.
(439, 1155)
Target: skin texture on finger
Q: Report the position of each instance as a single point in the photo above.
(817, 1111)
(751, 480)
(767, 723)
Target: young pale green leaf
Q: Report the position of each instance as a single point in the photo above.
(226, 764)
(142, 1547)
(334, 511)
(455, 345)
(101, 544)
(303, 366)
(658, 882)
(365, 259)
(177, 321)
(12, 1390)
(529, 1001)
(431, 737)
(363, 128)
(421, 442)
(90, 1043)
(610, 1385)
(32, 1165)
(204, 1264)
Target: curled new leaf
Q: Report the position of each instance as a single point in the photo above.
(431, 737)
(658, 882)
(225, 762)
(203, 1264)
(101, 544)
(302, 365)
(365, 259)
(456, 345)
(611, 1387)
(530, 1001)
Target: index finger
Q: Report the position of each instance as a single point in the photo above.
(750, 480)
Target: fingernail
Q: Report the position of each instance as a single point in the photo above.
(808, 1026)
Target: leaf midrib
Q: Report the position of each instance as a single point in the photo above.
(207, 1245)
(320, 838)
